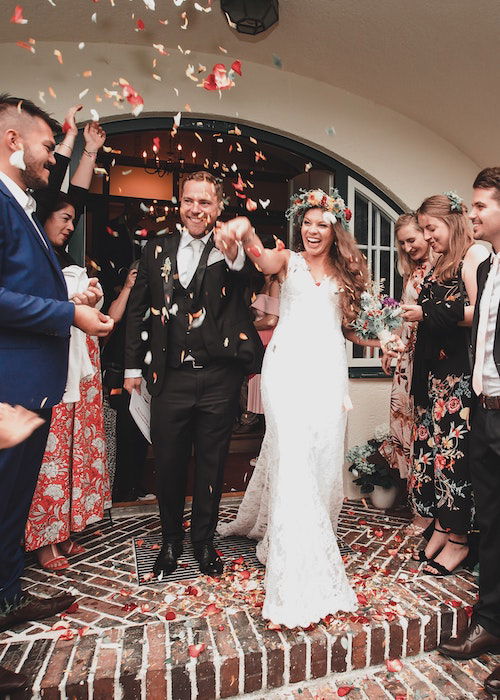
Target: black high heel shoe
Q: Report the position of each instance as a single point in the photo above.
(427, 534)
(467, 563)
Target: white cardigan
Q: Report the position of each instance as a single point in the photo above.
(79, 365)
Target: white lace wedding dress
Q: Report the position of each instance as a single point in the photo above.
(294, 497)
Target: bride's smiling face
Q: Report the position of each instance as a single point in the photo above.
(317, 233)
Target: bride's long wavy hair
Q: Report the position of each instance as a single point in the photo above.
(348, 263)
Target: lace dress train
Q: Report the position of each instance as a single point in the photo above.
(294, 497)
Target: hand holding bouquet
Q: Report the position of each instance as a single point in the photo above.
(378, 317)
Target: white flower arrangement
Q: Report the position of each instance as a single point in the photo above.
(166, 269)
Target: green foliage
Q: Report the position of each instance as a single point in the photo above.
(369, 467)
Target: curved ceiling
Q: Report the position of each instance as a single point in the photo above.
(436, 62)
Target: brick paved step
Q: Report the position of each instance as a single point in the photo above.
(128, 649)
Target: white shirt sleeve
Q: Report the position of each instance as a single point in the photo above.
(238, 262)
(132, 373)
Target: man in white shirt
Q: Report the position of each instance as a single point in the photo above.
(202, 342)
(35, 321)
(484, 633)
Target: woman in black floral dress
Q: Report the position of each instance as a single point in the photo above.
(440, 484)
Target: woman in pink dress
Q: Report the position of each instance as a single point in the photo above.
(413, 264)
(266, 306)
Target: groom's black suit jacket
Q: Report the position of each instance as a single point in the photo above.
(227, 331)
(482, 274)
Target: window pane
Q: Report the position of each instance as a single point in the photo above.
(398, 280)
(385, 270)
(361, 219)
(385, 231)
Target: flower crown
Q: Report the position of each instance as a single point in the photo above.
(456, 201)
(332, 203)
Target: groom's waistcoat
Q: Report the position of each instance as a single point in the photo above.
(183, 339)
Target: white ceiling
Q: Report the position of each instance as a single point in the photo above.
(435, 61)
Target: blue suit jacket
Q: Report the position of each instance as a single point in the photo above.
(35, 314)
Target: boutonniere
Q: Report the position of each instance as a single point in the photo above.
(166, 268)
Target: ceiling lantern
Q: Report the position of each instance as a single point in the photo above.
(251, 16)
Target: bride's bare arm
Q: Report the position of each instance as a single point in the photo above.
(240, 230)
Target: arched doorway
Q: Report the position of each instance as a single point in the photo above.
(134, 197)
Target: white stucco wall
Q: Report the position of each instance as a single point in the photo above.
(402, 157)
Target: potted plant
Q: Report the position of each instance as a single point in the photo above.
(371, 471)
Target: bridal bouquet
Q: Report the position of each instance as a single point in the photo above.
(379, 315)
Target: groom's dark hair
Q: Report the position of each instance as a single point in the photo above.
(204, 176)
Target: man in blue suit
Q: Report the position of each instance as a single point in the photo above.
(35, 321)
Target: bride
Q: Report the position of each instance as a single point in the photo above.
(294, 497)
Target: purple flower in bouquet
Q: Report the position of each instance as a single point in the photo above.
(378, 316)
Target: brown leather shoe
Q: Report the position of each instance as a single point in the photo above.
(492, 683)
(10, 681)
(34, 608)
(473, 642)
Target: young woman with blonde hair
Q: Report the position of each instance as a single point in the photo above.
(413, 265)
(440, 482)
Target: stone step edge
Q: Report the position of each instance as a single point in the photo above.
(240, 656)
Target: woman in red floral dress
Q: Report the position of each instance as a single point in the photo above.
(73, 484)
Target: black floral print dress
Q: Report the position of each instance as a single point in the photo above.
(440, 484)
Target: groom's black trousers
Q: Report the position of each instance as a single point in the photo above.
(485, 473)
(195, 408)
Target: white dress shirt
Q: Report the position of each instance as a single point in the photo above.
(491, 379)
(186, 257)
(26, 201)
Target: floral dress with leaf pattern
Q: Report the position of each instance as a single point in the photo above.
(440, 484)
(398, 448)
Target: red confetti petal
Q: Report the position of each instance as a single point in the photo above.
(170, 615)
(72, 608)
(394, 665)
(344, 690)
(140, 25)
(139, 543)
(236, 66)
(67, 635)
(211, 609)
(17, 17)
(196, 649)
(255, 251)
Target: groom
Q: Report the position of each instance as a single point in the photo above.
(202, 343)
(483, 634)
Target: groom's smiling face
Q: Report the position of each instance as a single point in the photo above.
(199, 207)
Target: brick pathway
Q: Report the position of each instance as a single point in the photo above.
(141, 639)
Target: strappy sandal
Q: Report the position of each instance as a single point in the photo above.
(57, 563)
(443, 571)
(70, 548)
(427, 534)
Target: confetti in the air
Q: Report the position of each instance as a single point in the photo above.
(17, 159)
(17, 17)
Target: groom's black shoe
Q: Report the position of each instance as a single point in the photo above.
(166, 561)
(208, 559)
